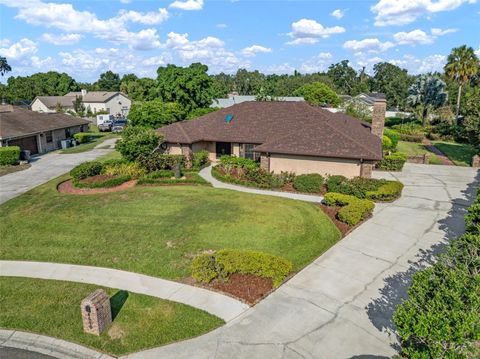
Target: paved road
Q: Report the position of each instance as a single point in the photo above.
(341, 305)
(45, 168)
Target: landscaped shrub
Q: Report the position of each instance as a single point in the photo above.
(138, 141)
(387, 192)
(86, 169)
(229, 162)
(223, 263)
(394, 136)
(392, 162)
(9, 155)
(107, 183)
(84, 137)
(387, 143)
(310, 183)
(334, 183)
(132, 169)
(472, 219)
(357, 186)
(412, 132)
(160, 174)
(200, 159)
(353, 209)
(159, 161)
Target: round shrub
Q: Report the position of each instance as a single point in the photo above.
(310, 183)
(86, 169)
(393, 162)
(334, 182)
(9, 155)
(387, 143)
(138, 141)
(200, 159)
(222, 264)
(394, 136)
(353, 209)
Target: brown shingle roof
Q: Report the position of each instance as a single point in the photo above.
(95, 96)
(282, 127)
(51, 101)
(22, 122)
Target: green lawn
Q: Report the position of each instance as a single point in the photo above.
(53, 308)
(417, 149)
(459, 153)
(90, 145)
(158, 230)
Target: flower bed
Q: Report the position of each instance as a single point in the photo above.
(101, 181)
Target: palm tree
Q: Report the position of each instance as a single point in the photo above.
(462, 65)
(4, 66)
(426, 94)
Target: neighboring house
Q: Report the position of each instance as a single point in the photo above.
(37, 132)
(284, 137)
(234, 99)
(115, 103)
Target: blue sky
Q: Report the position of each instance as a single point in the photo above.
(85, 38)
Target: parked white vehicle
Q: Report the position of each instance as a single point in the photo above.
(102, 118)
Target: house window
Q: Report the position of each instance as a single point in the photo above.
(49, 137)
(67, 133)
(247, 151)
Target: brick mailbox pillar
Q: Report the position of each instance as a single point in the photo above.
(96, 312)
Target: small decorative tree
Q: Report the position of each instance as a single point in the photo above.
(59, 108)
(427, 94)
(138, 141)
(78, 106)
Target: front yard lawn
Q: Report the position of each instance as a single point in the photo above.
(53, 308)
(158, 230)
(459, 153)
(417, 149)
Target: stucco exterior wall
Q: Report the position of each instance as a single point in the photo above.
(236, 149)
(57, 136)
(174, 149)
(95, 106)
(39, 106)
(309, 164)
(119, 104)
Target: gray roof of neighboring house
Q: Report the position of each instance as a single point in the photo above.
(17, 122)
(369, 98)
(236, 99)
(52, 101)
(282, 127)
(96, 96)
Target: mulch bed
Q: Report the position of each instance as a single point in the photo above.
(246, 287)
(97, 178)
(68, 187)
(331, 212)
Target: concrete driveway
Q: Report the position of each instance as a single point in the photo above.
(45, 168)
(341, 305)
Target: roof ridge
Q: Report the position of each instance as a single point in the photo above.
(183, 131)
(344, 134)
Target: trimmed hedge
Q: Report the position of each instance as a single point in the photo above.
(86, 169)
(111, 182)
(357, 186)
(411, 138)
(255, 177)
(223, 263)
(310, 183)
(472, 218)
(353, 209)
(200, 159)
(159, 161)
(394, 136)
(229, 162)
(9, 155)
(388, 192)
(387, 143)
(393, 162)
(84, 137)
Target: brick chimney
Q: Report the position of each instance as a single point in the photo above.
(378, 117)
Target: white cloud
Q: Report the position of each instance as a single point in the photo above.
(61, 39)
(209, 50)
(440, 32)
(477, 52)
(4, 42)
(372, 45)
(414, 37)
(187, 5)
(18, 50)
(400, 12)
(254, 50)
(149, 18)
(416, 66)
(221, 26)
(65, 18)
(317, 63)
(338, 13)
(306, 31)
(279, 69)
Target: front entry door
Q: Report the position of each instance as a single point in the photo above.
(223, 148)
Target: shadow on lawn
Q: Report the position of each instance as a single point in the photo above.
(380, 311)
(117, 302)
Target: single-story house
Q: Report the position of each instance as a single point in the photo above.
(37, 132)
(284, 137)
(234, 99)
(115, 103)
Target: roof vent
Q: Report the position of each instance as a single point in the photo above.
(228, 118)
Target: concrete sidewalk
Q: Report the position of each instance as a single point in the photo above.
(46, 167)
(206, 174)
(222, 306)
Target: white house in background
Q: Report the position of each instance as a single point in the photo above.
(115, 103)
(234, 99)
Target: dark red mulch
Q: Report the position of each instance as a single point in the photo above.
(68, 187)
(97, 178)
(246, 287)
(331, 212)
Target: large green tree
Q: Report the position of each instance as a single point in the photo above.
(462, 64)
(318, 93)
(344, 77)
(190, 86)
(393, 82)
(139, 89)
(248, 82)
(108, 81)
(4, 66)
(427, 93)
(155, 114)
